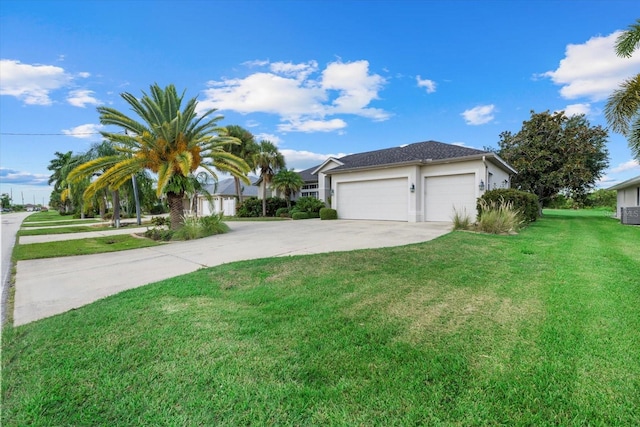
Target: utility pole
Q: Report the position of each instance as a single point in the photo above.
(135, 193)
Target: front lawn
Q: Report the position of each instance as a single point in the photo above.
(539, 329)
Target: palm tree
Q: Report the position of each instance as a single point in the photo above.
(67, 189)
(289, 182)
(246, 150)
(623, 106)
(268, 159)
(169, 142)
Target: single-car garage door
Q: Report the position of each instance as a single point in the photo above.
(383, 199)
(443, 193)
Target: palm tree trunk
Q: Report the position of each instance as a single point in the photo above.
(176, 210)
(264, 198)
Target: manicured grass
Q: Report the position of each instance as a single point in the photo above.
(61, 222)
(538, 329)
(95, 245)
(63, 230)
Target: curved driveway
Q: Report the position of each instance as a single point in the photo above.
(47, 287)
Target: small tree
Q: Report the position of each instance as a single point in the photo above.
(553, 152)
(5, 200)
(289, 182)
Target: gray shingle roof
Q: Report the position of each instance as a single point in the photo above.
(307, 176)
(413, 152)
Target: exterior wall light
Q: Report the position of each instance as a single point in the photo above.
(481, 186)
(412, 188)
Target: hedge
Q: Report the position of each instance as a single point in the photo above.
(300, 215)
(524, 202)
(328, 213)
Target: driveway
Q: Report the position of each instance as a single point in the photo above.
(51, 286)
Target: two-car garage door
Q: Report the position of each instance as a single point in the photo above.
(443, 193)
(382, 199)
(388, 199)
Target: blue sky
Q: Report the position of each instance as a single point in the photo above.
(318, 78)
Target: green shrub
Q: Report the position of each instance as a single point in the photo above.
(160, 221)
(461, 220)
(213, 224)
(282, 212)
(309, 205)
(499, 217)
(523, 202)
(328, 213)
(300, 215)
(159, 234)
(252, 207)
(158, 209)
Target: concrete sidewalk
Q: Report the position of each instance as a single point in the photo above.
(47, 287)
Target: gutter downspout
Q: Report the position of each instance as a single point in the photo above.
(486, 173)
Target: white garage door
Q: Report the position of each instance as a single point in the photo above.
(384, 199)
(445, 192)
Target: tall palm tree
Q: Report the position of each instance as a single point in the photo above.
(246, 150)
(67, 189)
(289, 182)
(623, 106)
(268, 160)
(170, 142)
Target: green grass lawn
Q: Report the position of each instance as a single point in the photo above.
(93, 245)
(63, 230)
(538, 329)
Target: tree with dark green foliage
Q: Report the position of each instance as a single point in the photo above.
(5, 200)
(623, 107)
(553, 152)
(246, 150)
(268, 160)
(288, 182)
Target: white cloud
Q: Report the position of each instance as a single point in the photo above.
(627, 166)
(82, 97)
(312, 125)
(10, 176)
(479, 115)
(267, 137)
(31, 84)
(301, 98)
(88, 131)
(84, 74)
(577, 109)
(430, 85)
(301, 159)
(592, 69)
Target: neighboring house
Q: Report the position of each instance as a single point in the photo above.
(628, 194)
(417, 182)
(224, 197)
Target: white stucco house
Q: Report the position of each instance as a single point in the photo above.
(417, 182)
(224, 197)
(628, 194)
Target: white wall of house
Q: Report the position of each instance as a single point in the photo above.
(414, 193)
(226, 204)
(627, 198)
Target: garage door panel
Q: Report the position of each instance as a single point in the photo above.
(386, 199)
(443, 193)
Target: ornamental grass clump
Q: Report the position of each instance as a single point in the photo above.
(461, 219)
(499, 217)
(196, 228)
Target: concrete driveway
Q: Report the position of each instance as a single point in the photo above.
(47, 287)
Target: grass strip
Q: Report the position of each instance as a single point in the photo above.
(95, 245)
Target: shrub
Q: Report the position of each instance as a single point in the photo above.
(499, 217)
(160, 221)
(252, 207)
(328, 213)
(159, 234)
(521, 201)
(213, 224)
(461, 220)
(282, 212)
(300, 215)
(309, 205)
(158, 209)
